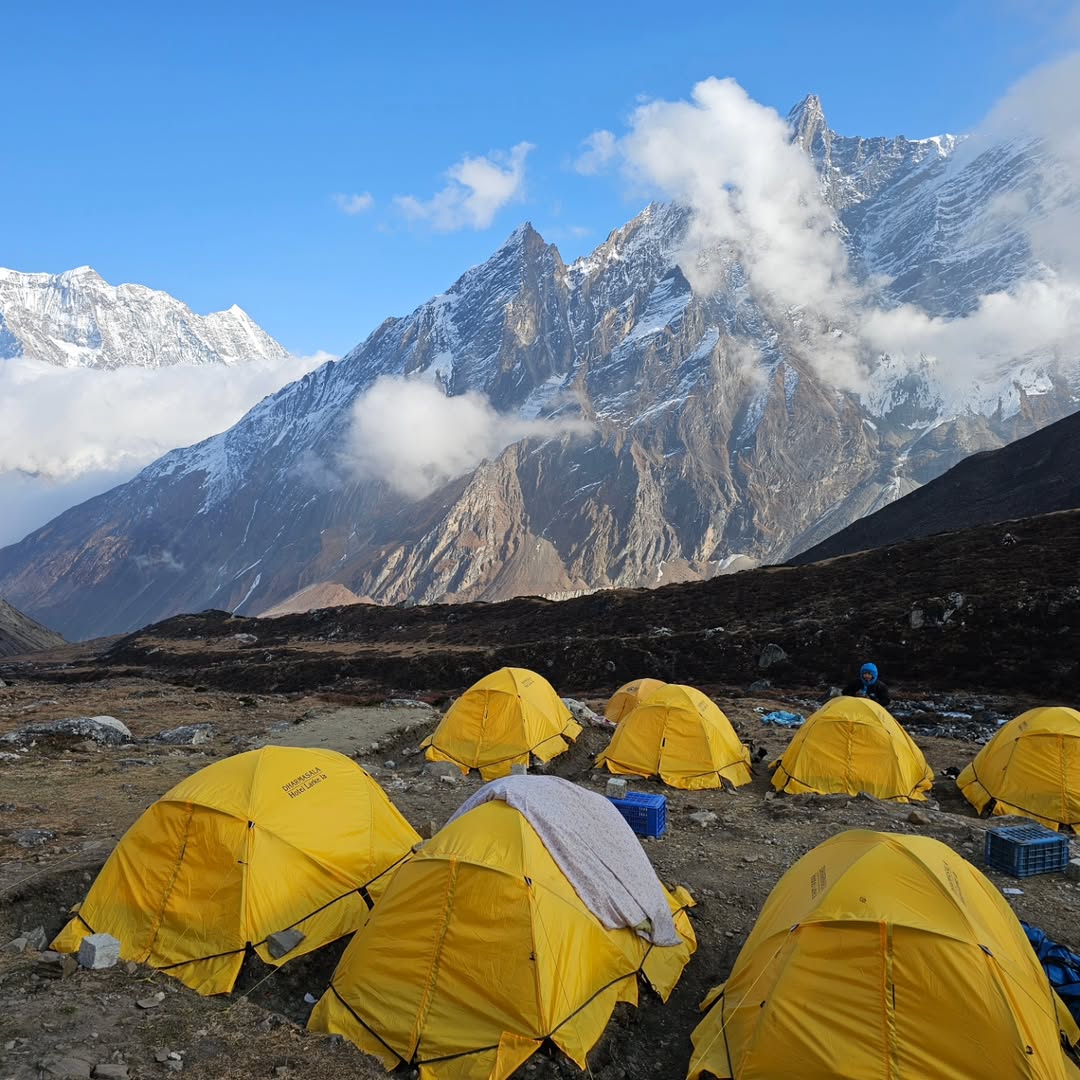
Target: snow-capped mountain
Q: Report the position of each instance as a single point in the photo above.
(76, 319)
(712, 442)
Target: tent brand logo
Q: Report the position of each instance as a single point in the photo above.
(818, 883)
(304, 782)
(954, 882)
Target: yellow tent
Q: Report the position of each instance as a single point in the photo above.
(480, 949)
(272, 839)
(1031, 767)
(681, 736)
(876, 956)
(629, 696)
(849, 745)
(500, 721)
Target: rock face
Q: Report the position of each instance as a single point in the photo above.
(76, 319)
(697, 460)
(1039, 474)
(20, 634)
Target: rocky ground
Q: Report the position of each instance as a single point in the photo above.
(65, 800)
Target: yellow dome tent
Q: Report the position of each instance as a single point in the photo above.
(272, 839)
(878, 955)
(849, 745)
(629, 696)
(500, 721)
(681, 736)
(480, 949)
(1030, 767)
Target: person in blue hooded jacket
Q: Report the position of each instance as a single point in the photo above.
(869, 685)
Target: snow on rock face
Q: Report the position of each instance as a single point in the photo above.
(715, 441)
(76, 319)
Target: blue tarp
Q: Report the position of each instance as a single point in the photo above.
(1061, 966)
(784, 719)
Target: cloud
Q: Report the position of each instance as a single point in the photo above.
(601, 149)
(759, 223)
(354, 204)
(69, 433)
(408, 433)
(1038, 317)
(479, 188)
(756, 210)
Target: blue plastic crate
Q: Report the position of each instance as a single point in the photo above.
(645, 814)
(1023, 850)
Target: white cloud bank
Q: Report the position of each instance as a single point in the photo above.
(67, 434)
(408, 433)
(479, 188)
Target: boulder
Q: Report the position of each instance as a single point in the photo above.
(186, 735)
(771, 654)
(106, 730)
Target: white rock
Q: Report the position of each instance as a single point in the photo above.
(98, 951)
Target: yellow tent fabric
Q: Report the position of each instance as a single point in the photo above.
(681, 736)
(480, 949)
(849, 745)
(1030, 767)
(264, 841)
(884, 956)
(500, 721)
(629, 696)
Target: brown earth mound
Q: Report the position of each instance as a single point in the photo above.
(997, 607)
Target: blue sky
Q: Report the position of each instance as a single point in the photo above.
(201, 153)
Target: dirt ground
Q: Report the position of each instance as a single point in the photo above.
(83, 796)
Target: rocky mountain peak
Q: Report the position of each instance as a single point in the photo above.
(807, 121)
(77, 319)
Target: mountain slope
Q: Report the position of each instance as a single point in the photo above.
(20, 634)
(76, 319)
(1039, 474)
(713, 439)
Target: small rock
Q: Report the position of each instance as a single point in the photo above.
(37, 939)
(15, 945)
(175, 1055)
(150, 1002)
(451, 779)
(32, 838)
(111, 1071)
(98, 951)
(703, 818)
(615, 787)
(310, 999)
(441, 768)
(771, 654)
(759, 686)
(389, 764)
(1072, 871)
(917, 817)
(751, 858)
(131, 967)
(245, 639)
(283, 942)
(161, 1055)
(427, 830)
(406, 703)
(67, 1068)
